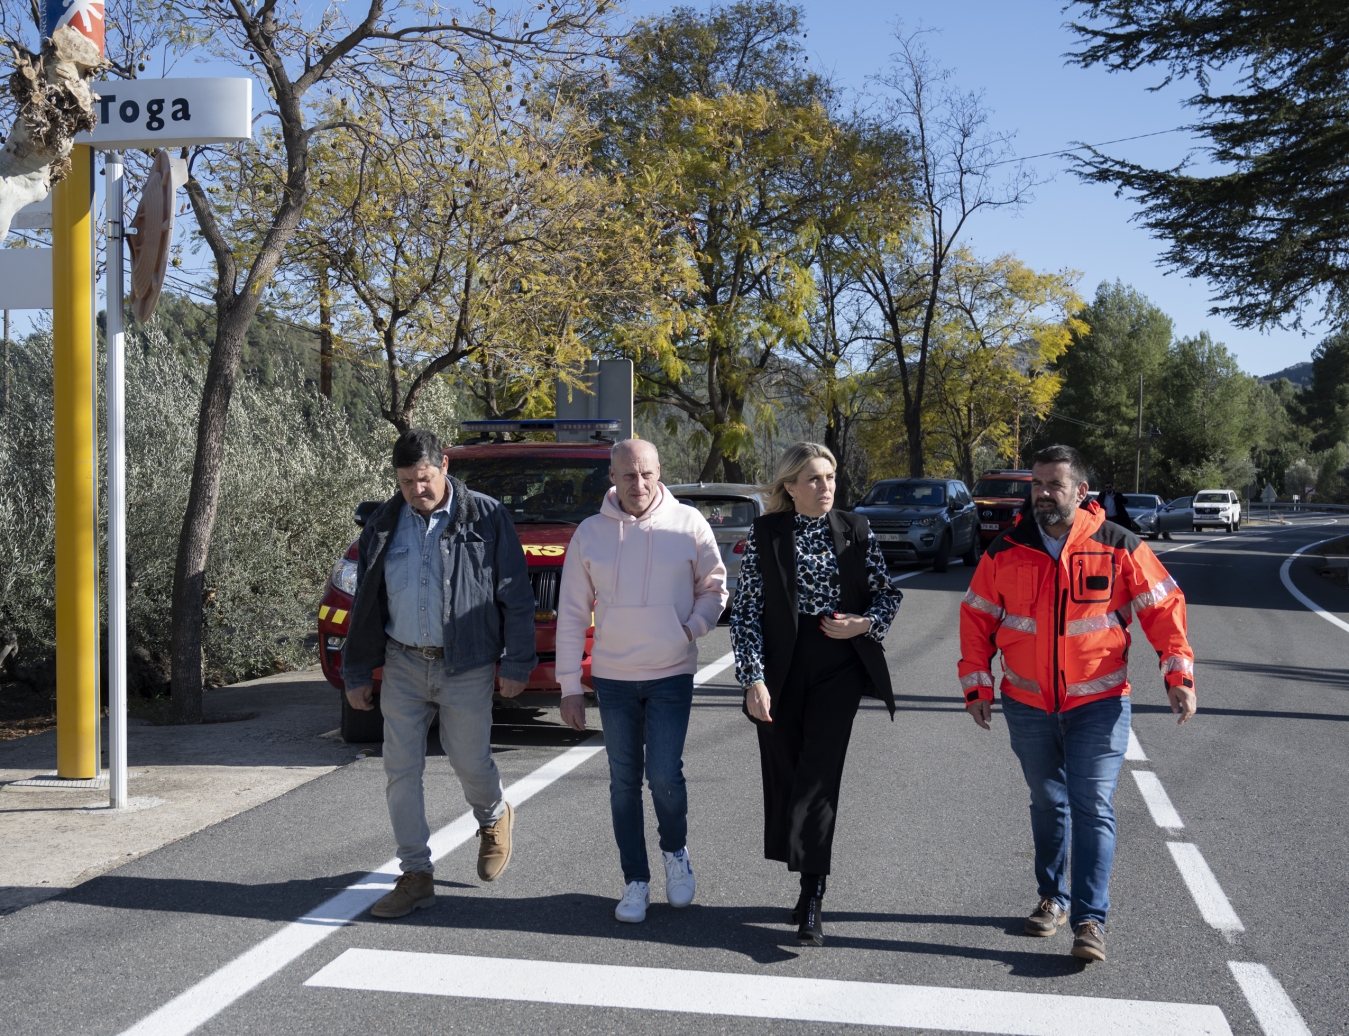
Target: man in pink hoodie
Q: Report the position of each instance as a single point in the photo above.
(648, 568)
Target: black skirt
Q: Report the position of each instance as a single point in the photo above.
(802, 751)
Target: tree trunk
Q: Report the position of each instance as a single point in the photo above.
(203, 498)
(836, 439)
(325, 334)
(733, 470)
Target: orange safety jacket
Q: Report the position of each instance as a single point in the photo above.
(1062, 626)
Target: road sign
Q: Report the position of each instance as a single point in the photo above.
(84, 16)
(154, 236)
(26, 278)
(154, 113)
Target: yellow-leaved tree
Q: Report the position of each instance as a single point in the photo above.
(1001, 327)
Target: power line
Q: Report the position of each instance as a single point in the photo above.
(1080, 147)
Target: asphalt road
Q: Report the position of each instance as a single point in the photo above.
(932, 872)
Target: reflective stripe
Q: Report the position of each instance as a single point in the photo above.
(978, 603)
(969, 683)
(1092, 625)
(1156, 595)
(1178, 664)
(1024, 623)
(1101, 684)
(1021, 683)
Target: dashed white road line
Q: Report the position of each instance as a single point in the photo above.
(712, 669)
(217, 991)
(826, 1001)
(1269, 1003)
(1157, 800)
(1208, 895)
(1134, 753)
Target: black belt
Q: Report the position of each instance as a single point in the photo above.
(421, 652)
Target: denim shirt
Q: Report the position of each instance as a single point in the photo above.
(415, 579)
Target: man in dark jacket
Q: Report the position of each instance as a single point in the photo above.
(444, 604)
(1116, 508)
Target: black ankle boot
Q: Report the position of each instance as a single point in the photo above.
(811, 930)
(811, 885)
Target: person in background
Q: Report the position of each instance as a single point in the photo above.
(1115, 506)
(810, 614)
(443, 603)
(1056, 596)
(649, 571)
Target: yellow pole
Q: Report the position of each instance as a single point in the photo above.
(77, 748)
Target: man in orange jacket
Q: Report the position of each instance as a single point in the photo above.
(1055, 596)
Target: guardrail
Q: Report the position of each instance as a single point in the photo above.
(1255, 508)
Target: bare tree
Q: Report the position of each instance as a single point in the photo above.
(305, 58)
(957, 159)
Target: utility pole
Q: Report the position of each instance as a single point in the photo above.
(1138, 449)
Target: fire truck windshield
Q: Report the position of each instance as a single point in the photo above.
(538, 489)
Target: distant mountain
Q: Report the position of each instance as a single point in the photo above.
(1299, 374)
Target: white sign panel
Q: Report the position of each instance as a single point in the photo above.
(37, 216)
(25, 278)
(153, 113)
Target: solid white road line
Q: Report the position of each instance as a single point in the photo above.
(1269, 1003)
(1158, 801)
(764, 996)
(217, 991)
(1208, 895)
(1288, 584)
(713, 669)
(1134, 753)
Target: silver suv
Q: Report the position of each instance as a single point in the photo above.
(923, 519)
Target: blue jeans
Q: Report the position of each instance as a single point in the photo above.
(1071, 762)
(645, 722)
(413, 689)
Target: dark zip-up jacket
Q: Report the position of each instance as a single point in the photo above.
(489, 603)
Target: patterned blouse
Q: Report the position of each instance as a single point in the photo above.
(817, 592)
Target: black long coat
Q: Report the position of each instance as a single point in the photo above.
(775, 535)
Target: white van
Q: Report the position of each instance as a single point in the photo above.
(1217, 507)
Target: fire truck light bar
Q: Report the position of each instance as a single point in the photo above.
(543, 425)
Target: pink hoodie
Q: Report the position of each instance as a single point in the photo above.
(643, 578)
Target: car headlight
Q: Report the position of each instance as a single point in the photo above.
(927, 521)
(344, 576)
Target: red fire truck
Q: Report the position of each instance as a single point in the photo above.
(549, 488)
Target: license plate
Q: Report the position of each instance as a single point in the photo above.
(991, 526)
(888, 537)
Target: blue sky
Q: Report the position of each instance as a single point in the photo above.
(1012, 51)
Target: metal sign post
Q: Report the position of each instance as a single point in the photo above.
(115, 399)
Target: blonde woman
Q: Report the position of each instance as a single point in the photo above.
(811, 610)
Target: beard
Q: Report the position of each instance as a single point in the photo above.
(1050, 515)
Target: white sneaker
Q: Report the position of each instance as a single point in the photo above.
(632, 907)
(679, 883)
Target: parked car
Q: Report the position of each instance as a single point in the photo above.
(999, 495)
(1217, 507)
(549, 488)
(730, 508)
(923, 519)
(1177, 516)
(1140, 506)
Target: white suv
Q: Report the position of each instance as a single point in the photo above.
(1217, 507)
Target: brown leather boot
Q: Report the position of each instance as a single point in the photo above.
(1089, 941)
(1046, 918)
(413, 891)
(494, 846)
